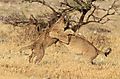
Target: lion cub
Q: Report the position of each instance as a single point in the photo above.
(39, 46)
(79, 45)
(75, 43)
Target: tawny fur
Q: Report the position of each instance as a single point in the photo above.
(39, 46)
(44, 41)
(80, 45)
(76, 43)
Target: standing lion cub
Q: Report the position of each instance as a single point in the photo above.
(39, 46)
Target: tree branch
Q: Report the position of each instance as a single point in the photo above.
(99, 19)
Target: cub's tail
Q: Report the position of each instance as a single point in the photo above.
(107, 51)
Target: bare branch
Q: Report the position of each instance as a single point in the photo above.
(91, 14)
(100, 19)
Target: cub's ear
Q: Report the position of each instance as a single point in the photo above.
(57, 28)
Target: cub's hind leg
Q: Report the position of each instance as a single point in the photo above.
(40, 54)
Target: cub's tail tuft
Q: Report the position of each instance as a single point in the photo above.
(107, 51)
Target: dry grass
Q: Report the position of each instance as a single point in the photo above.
(58, 63)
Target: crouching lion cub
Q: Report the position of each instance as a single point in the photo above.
(75, 43)
(80, 45)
